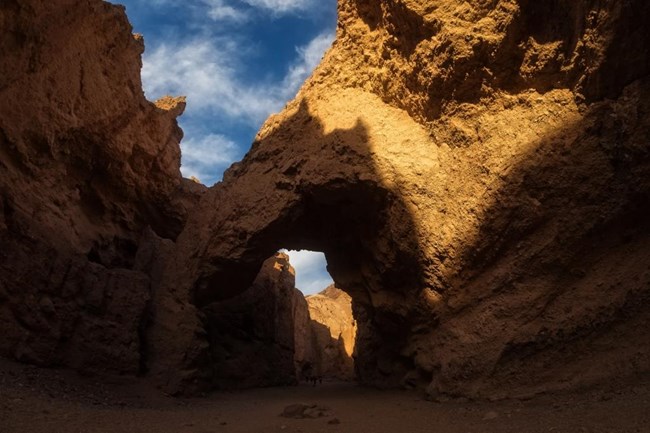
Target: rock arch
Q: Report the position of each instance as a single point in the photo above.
(448, 240)
(338, 202)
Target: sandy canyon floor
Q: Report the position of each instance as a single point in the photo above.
(35, 400)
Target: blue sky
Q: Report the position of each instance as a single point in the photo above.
(237, 61)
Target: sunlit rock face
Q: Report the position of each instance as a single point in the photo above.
(90, 188)
(477, 176)
(333, 331)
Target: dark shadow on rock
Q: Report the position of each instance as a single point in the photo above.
(325, 195)
(566, 226)
(252, 334)
(558, 274)
(627, 58)
(88, 167)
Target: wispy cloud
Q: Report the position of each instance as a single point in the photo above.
(220, 10)
(206, 157)
(161, 3)
(237, 10)
(281, 6)
(206, 70)
(311, 271)
(309, 56)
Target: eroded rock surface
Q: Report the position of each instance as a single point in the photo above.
(89, 186)
(477, 176)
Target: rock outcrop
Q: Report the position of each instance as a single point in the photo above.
(477, 174)
(305, 350)
(333, 331)
(89, 185)
(251, 335)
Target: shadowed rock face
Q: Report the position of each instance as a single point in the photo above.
(477, 174)
(89, 186)
(252, 335)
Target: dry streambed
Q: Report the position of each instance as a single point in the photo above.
(35, 400)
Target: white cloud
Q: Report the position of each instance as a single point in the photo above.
(309, 56)
(224, 10)
(307, 260)
(160, 3)
(313, 286)
(219, 10)
(206, 71)
(206, 157)
(281, 6)
(311, 271)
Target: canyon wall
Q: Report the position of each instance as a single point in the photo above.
(90, 187)
(91, 203)
(477, 174)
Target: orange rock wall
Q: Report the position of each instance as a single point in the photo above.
(334, 331)
(89, 183)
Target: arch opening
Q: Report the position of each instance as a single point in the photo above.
(324, 324)
(310, 268)
(370, 275)
(272, 334)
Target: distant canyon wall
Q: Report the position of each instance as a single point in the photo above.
(333, 333)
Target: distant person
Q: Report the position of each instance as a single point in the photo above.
(307, 372)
